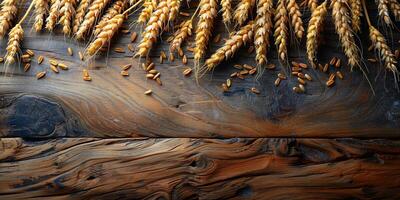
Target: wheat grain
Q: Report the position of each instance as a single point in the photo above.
(7, 14)
(280, 34)
(207, 14)
(314, 28)
(356, 13)
(263, 25)
(154, 27)
(395, 8)
(80, 14)
(226, 8)
(66, 12)
(231, 46)
(181, 35)
(383, 11)
(107, 32)
(149, 7)
(54, 14)
(295, 18)
(117, 8)
(94, 11)
(242, 11)
(16, 36)
(41, 8)
(341, 18)
(384, 52)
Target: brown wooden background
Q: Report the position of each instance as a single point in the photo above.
(64, 138)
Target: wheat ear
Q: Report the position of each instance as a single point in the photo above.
(41, 9)
(154, 27)
(380, 45)
(383, 11)
(226, 8)
(312, 4)
(67, 11)
(94, 11)
(281, 34)
(173, 6)
(108, 31)
(54, 14)
(242, 11)
(117, 8)
(395, 8)
(149, 7)
(341, 18)
(181, 35)
(15, 38)
(231, 46)
(80, 14)
(7, 14)
(262, 28)
(295, 18)
(314, 29)
(356, 13)
(207, 14)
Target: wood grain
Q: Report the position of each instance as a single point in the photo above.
(88, 168)
(114, 106)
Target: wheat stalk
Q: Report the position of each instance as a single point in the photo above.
(155, 25)
(262, 27)
(15, 38)
(67, 11)
(395, 8)
(80, 14)
(314, 28)
(108, 31)
(117, 8)
(132, 2)
(242, 11)
(181, 35)
(341, 18)
(383, 11)
(356, 13)
(149, 7)
(226, 8)
(380, 45)
(295, 18)
(173, 6)
(41, 8)
(7, 14)
(94, 11)
(207, 14)
(54, 14)
(231, 46)
(281, 34)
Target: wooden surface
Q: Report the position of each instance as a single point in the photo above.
(89, 168)
(65, 138)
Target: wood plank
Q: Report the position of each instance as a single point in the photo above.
(115, 106)
(86, 168)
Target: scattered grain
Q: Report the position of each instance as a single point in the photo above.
(63, 66)
(40, 59)
(40, 75)
(80, 55)
(339, 75)
(337, 64)
(277, 81)
(27, 66)
(148, 92)
(255, 90)
(54, 68)
(124, 73)
(184, 60)
(187, 72)
(119, 50)
(308, 77)
(70, 52)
